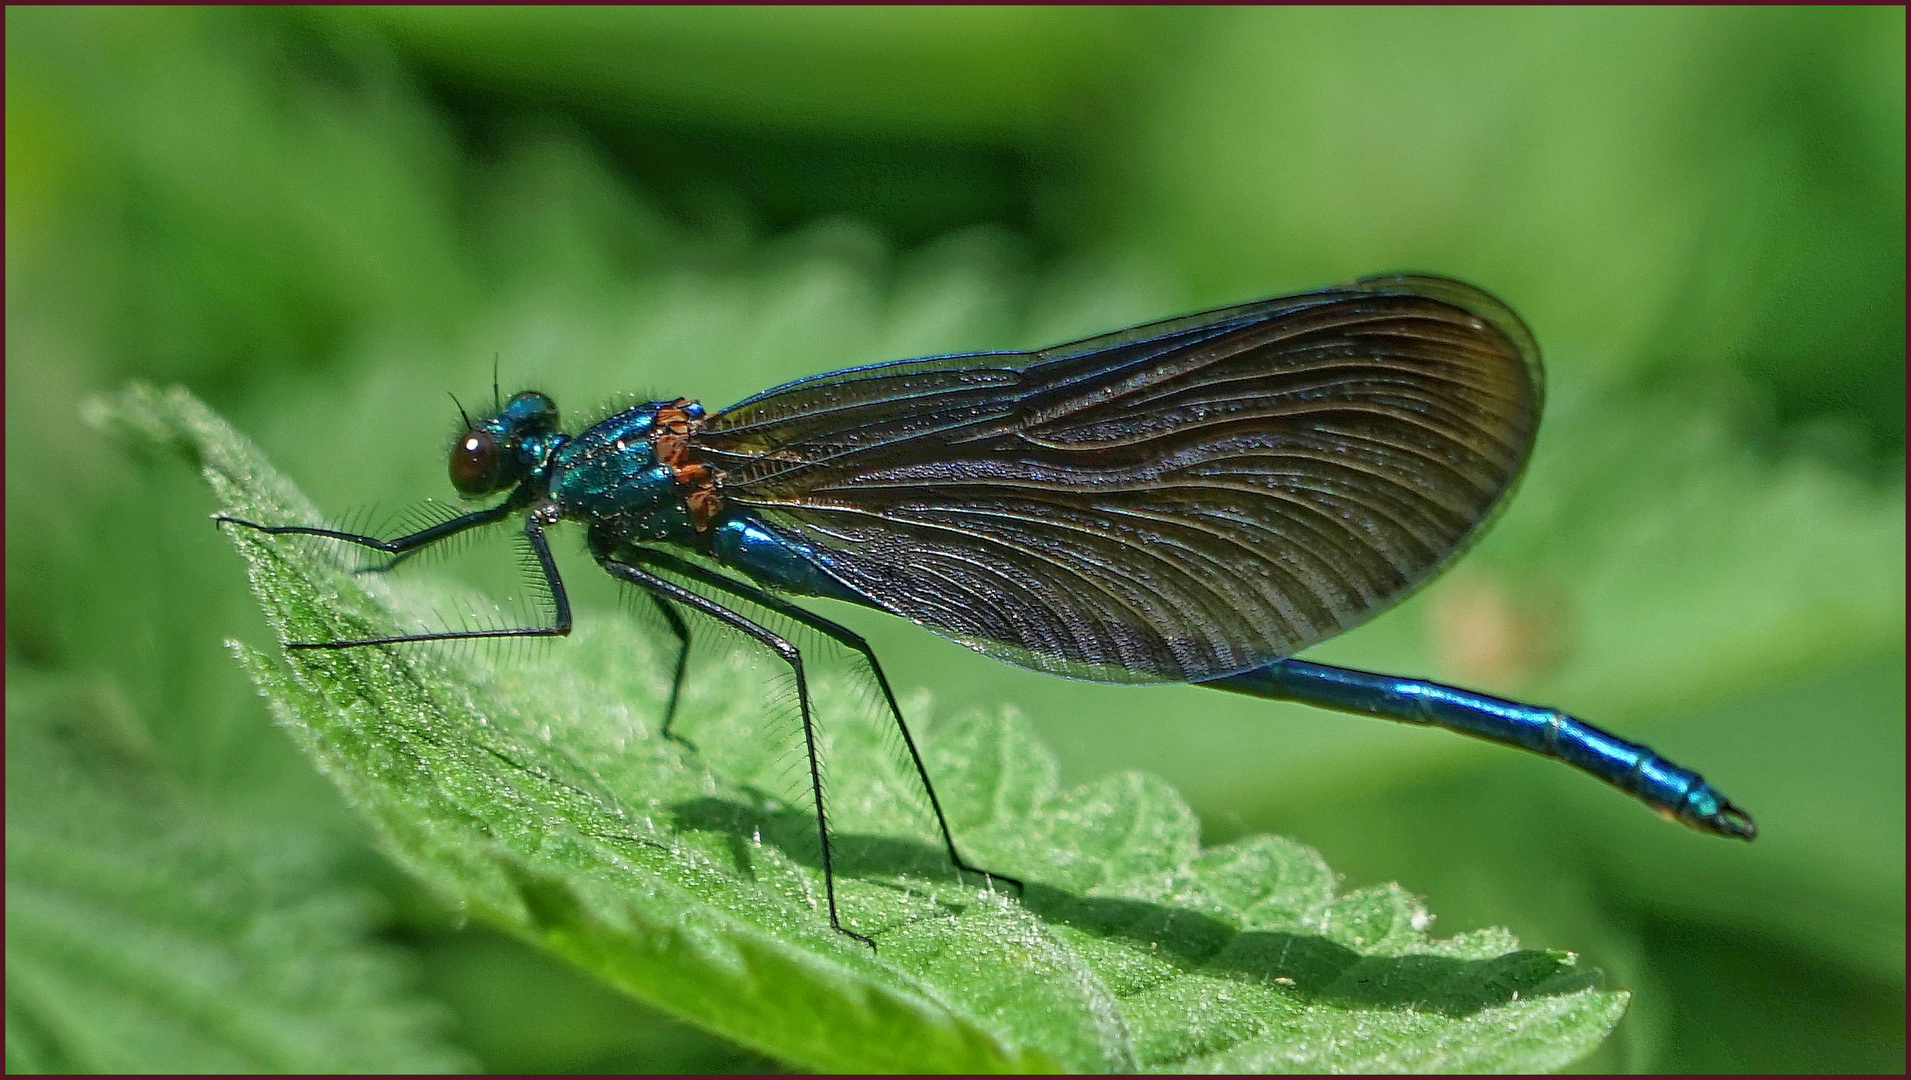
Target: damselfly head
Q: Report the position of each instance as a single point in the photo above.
(500, 450)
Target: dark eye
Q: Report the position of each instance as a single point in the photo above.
(476, 466)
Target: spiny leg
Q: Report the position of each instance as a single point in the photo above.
(682, 631)
(848, 638)
(533, 532)
(790, 655)
(402, 546)
(391, 564)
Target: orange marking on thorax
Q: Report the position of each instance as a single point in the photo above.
(671, 444)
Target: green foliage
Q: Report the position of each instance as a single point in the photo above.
(539, 797)
(322, 219)
(144, 935)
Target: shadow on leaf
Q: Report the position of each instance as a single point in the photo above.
(1310, 966)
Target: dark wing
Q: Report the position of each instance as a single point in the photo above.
(1180, 501)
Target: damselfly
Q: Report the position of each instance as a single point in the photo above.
(1195, 500)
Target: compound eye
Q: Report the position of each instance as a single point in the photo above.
(477, 468)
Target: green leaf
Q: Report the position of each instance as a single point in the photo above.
(144, 935)
(535, 793)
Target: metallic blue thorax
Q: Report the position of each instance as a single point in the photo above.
(609, 476)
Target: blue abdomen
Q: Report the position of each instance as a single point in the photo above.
(748, 543)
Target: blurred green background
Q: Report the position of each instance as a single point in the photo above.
(322, 220)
